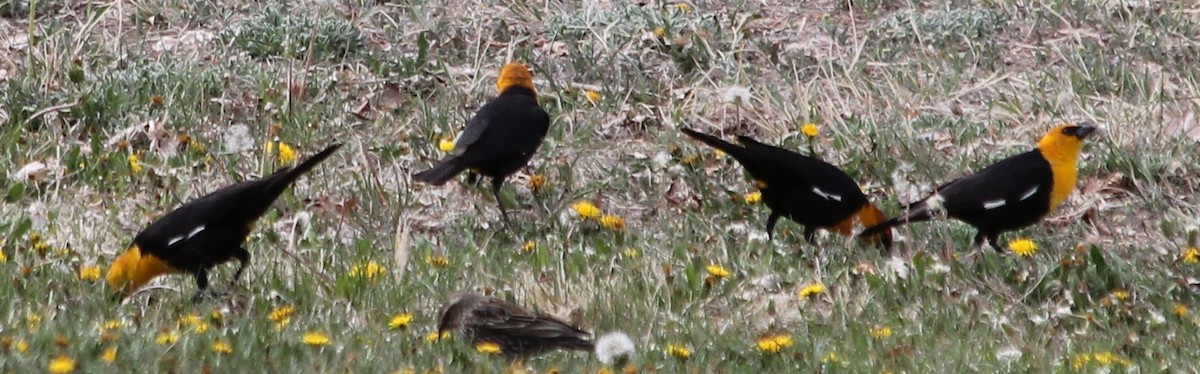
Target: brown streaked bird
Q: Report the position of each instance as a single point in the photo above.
(809, 191)
(518, 332)
(1011, 194)
(500, 139)
(204, 232)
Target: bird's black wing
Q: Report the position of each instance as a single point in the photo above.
(1010, 193)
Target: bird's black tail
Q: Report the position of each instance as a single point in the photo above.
(578, 344)
(736, 151)
(284, 177)
(915, 212)
(440, 173)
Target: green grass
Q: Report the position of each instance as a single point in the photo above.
(905, 98)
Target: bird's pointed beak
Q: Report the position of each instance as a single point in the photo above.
(1084, 130)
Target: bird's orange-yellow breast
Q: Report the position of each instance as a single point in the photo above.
(133, 269)
(515, 74)
(1062, 151)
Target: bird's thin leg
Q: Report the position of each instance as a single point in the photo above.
(771, 221)
(496, 183)
(201, 285)
(810, 235)
(993, 239)
(243, 258)
(979, 238)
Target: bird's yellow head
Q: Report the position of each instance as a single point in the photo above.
(515, 74)
(1063, 143)
(132, 270)
(1061, 148)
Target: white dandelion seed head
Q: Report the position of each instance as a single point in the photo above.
(614, 346)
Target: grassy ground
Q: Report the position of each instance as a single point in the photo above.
(905, 96)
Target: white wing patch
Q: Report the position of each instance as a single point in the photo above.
(1029, 193)
(190, 234)
(195, 231)
(826, 195)
(994, 204)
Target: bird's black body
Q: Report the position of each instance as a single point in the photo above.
(210, 230)
(1008, 195)
(806, 190)
(1021, 183)
(518, 332)
(499, 140)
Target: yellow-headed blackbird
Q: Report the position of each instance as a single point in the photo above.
(518, 332)
(204, 232)
(1008, 195)
(502, 136)
(809, 191)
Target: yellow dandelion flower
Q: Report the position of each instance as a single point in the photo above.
(134, 165)
(201, 327)
(1120, 294)
(400, 321)
(660, 32)
(753, 197)
(592, 96)
(881, 332)
(1023, 247)
(315, 339)
(683, 7)
(830, 358)
(3, 257)
(287, 155)
(812, 290)
(775, 343)
(189, 320)
(222, 347)
(33, 321)
(62, 364)
(1181, 310)
(717, 271)
(109, 355)
(602, 370)
(690, 160)
(89, 273)
(35, 237)
(488, 348)
(679, 351)
(529, 246)
(1191, 255)
(1080, 360)
(434, 337)
(611, 221)
(437, 260)
(586, 210)
(165, 338)
(282, 315)
(112, 325)
(1108, 358)
(370, 270)
(631, 252)
(810, 130)
(446, 144)
(537, 183)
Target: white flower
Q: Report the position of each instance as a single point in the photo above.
(1008, 354)
(238, 139)
(614, 346)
